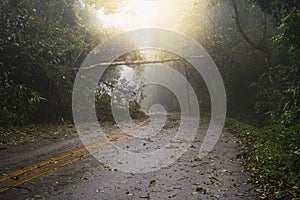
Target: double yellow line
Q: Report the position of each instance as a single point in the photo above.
(82, 149)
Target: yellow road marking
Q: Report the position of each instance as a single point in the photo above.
(45, 162)
(59, 164)
(63, 155)
(55, 166)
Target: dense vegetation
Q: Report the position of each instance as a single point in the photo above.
(41, 45)
(256, 46)
(254, 43)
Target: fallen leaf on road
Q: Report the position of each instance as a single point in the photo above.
(152, 183)
(145, 197)
(201, 190)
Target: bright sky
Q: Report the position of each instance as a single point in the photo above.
(146, 13)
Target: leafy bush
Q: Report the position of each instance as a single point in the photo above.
(18, 103)
(134, 110)
(104, 111)
(272, 154)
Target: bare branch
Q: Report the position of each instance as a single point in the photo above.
(138, 62)
(262, 47)
(239, 27)
(264, 28)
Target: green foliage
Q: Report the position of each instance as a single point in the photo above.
(272, 155)
(42, 133)
(123, 94)
(279, 88)
(212, 25)
(290, 99)
(103, 107)
(279, 95)
(41, 44)
(286, 14)
(108, 5)
(17, 103)
(134, 110)
(38, 44)
(104, 111)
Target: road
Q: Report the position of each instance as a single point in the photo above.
(66, 170)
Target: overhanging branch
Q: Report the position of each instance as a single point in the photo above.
(239, 26)
(262, 47)
(138, 62)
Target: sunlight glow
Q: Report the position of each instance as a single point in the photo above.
(145, 13)
(135, 14)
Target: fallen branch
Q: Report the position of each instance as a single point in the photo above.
(138, 62)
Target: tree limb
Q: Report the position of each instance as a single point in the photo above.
(264, 28)
(239, 27)
(262, 47)
(138, 62)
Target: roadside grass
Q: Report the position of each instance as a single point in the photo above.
(17, 136)
(272, 155)
(20, 135)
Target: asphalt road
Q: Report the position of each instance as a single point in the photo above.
(66, 170)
